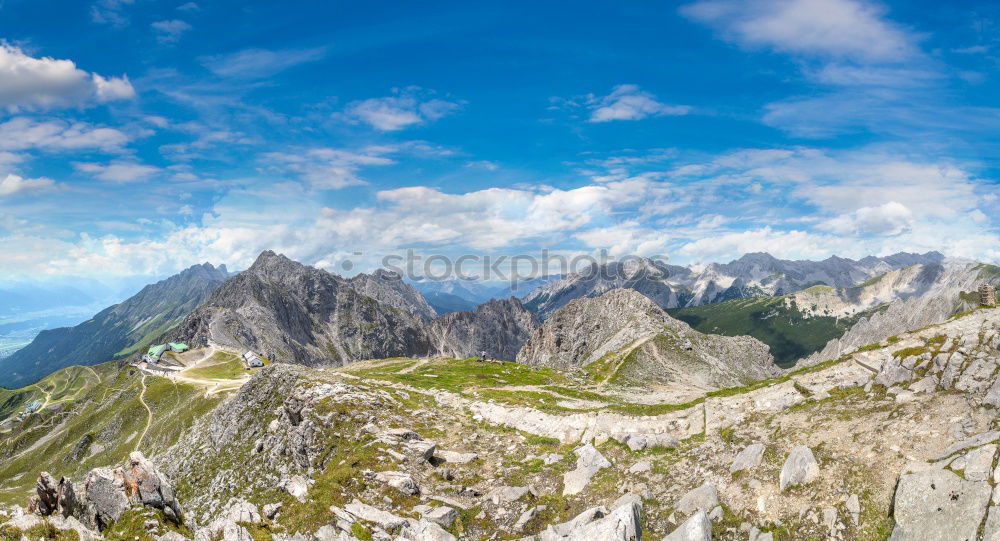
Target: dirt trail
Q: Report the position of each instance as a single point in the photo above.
(149, 419)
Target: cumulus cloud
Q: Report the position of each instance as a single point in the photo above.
(409, 107)
(850, 29)
(118, 171)
(170, 31)
(629, 102)
(28, 83)
(23, 133)
(889, 219)
(12, 184)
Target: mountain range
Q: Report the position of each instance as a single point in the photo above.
(753, 275)
(291, 312)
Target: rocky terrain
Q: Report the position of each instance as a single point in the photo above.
(116, 332)
(624, 337)
(896, 440)
(753, 275)
(498, 327)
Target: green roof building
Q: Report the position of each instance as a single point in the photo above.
(156, 351)
(179, 348)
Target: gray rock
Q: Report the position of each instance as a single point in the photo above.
(371, 514)
(422, 530)
(800, 468)
(443, 515)
(705, 498)
(502, 495)
(400, 481)
(748, 458)
(974, 441)
(695, 528)
(937, 505)
(271, 510)
(853, 506)
(589, 461)
(622, 524)
(297, 487)
(979, 462)
(106, 499)
(641, 466)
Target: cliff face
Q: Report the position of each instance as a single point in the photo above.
(389, 288)
(117, 331)
(498, 327)
(294, 313)
(623, 336)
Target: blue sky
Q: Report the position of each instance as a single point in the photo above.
(142, 136)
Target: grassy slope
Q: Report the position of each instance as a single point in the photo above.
(95, 425)
(790, 335)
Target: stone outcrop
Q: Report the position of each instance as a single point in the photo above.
(624, 336)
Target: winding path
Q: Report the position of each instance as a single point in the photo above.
(149, 419)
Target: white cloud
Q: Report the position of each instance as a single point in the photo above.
(328, 168)
(110, 12)
(13, 184)
(850, 29)
(629, 102)
(259, 63)
(119, 171)
(409, 107)
(889, 219)
(170, 31)
(45, 83)
(22, 133)
(189, 6)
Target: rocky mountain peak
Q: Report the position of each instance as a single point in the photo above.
(623, 335)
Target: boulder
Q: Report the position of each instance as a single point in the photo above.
(243, 511)
(384, 519)
(748, 458)
(106, 499)
(453, 457)
(297, 487)
(589, 461)
(151, 488)
(703, 498)
(399, 481)
(800, 468)
(696, 528)
(503, 495)
(937, 505)
(443, 515)
(622, 524)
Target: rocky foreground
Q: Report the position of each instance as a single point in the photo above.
(897, 440)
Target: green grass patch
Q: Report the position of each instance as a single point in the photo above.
(222, 365)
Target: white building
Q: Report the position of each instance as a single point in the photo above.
(251, 360)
